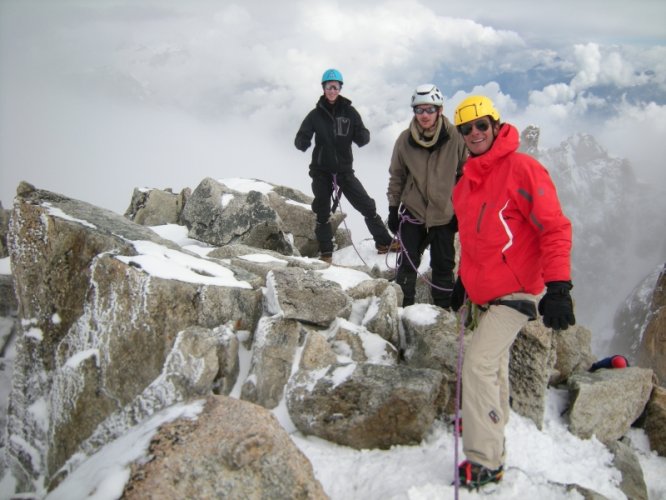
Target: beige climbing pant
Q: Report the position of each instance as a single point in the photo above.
(485, 382)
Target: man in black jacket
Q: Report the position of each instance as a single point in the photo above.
(335, 125)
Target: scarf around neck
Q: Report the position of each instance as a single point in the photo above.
(425, 138)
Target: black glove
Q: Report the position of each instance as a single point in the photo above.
(453, 225)
(458, 295)
(556, 306)
(393, 220)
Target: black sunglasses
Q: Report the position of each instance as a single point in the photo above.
(481, 126)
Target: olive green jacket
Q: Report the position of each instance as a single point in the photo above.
(423, 178)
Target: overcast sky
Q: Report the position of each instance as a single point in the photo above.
(99, 97)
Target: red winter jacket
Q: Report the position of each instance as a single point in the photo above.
(513, 234)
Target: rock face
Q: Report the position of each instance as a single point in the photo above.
(529, 140)
(241, 452)
(605, 403)
(114, 324)
(276, 342)
(603, 198)
(532, 359)
(154, 207)
(431, 340)
(365, 405)
(8, 304)
(572, 353)
(625, 460)
(253, 213)
(655, 420)
(652, 351)
(639, 321)
(306, 296)
(4, 224)
(92, 313)
(434, 344)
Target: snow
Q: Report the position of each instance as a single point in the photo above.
(74, 361)
(178, 234)
(244, 364)
(538, 464)
(374, 346)
(166, 263)
(246, 185)
(271, 300)
(346, 278)
(261, 258)
(226, 199)
(104, 474)
(420, 314)
(340, 374)
(535, 461)
(35, 333)
(298, 204)
(40, 412)
(56, 212)
(373, 309)
(5, 266)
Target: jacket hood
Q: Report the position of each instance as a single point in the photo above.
(340, 100)
(506, 142)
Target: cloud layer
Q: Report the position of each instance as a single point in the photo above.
(98, 98)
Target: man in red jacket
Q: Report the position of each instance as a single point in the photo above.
(514, 240)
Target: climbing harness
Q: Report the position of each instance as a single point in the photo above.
(335, 195)
(398, 260)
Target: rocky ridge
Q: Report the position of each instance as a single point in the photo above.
(104, 340)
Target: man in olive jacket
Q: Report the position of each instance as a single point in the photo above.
(335, 125)
(427, 159)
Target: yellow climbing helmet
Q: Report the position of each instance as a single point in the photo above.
(475, 106)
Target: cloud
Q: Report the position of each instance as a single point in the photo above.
(598, 68)
(637, 132)
(165, 93)
(607, 22)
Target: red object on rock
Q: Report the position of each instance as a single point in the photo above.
(615, 361)
(619, 362)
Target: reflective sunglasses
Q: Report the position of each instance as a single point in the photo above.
(332, 86)
(481, 126)
(431, 110)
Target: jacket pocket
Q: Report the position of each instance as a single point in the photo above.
(343, 126)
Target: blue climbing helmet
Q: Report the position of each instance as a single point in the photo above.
(332, 75)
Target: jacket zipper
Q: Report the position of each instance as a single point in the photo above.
(478, 221)
(335, 150)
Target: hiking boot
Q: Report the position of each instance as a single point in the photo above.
(473, 476)
(394, 246)
(326, 257)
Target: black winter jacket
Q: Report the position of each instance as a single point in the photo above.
(335, 128)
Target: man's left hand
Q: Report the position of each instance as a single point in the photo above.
(556, 306)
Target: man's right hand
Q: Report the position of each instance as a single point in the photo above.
(393, 220)
(458, 295)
